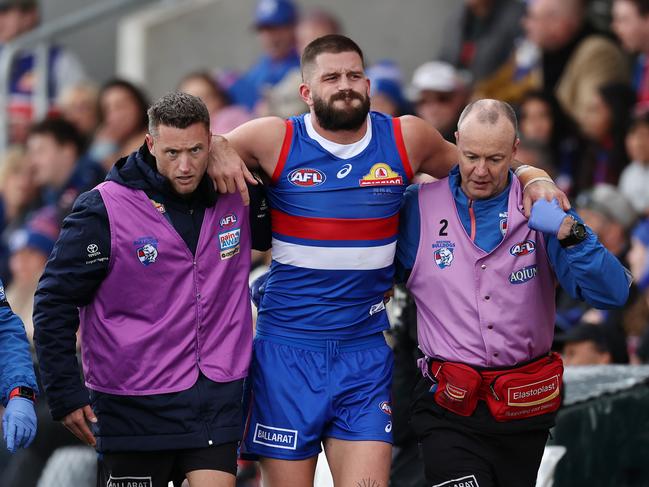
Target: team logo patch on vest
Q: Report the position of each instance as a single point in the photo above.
(503, 222)
(129, 482)
(523, 275)
(147, 250)
(229, 243)
(275, 437)
(523, 248)
(443, 253)
(381, 175)
(306, 177)
(386, 408)
(228, 221)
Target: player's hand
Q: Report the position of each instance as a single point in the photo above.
(543, 190)
(77, 423)
(546, 217)
(19, 423)
(227, 169)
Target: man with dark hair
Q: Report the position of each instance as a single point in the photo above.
(55, 150)
(321, 370)
(631, 24)
(152, 268)
(483, 279)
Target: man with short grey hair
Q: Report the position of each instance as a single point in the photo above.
(483, 278)
(152, 268)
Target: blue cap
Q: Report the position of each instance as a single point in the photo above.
(275, 13)
(28, 238)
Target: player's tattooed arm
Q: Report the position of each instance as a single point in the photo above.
(368, 482)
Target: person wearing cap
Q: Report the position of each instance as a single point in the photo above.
(439, 92)
(275, 25)
(17, 17)
(321, 369)
(386, 90)
(586, 344)
(151, 268)
(483, 278)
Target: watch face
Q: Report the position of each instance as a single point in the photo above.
(579, 230)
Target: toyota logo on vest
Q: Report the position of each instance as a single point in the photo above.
(306, 177)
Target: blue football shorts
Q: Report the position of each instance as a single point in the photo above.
(302, 391)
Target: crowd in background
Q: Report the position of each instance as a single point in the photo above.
(580, 86)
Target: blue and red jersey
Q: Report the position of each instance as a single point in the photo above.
(335, 225)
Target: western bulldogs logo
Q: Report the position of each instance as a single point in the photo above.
(147, 250)
(306, 177)
(523, 248)
(503, 222)
(443, 253)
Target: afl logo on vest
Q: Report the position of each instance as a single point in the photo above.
(228, 220)
(523, 275)
(523, 248)
(306, 177)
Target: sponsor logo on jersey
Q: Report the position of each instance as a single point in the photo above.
(523, 275)
(468, 481)
(344, 171)
(443, 253)
(129, 482)
(523, 248)
(306, 177)
(228, 220)
(146, 250)
(229, 243)
(377, 308)
(386, 408)
(381, 175)
(283, 438)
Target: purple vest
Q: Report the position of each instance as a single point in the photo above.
(162, 315)
(483, 309)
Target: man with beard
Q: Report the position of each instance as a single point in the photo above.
(321, 369)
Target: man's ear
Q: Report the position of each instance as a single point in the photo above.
(149, 142)
(305, 94)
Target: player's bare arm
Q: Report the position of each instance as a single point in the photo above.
(253, 145)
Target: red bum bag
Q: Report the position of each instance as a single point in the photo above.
(517, 393)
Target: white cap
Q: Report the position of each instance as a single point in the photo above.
(437, 76)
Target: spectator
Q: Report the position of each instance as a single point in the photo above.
(18, 195)
(631, 24)
(223, 115)
(543, 121)
(586, 344)
(575, 61)
(122, 119)
(54, 148)
(313, 24)
(16, 18)
(30, 248)
(440, 92)
(605, 123)
(480, 35)
(79, 105)
(634, 180)
(386, 89)
(275, 24)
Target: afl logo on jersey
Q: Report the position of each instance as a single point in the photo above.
(306, 177)
(522, 248)
(228, 220)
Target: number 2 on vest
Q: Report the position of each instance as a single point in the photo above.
(442, 231)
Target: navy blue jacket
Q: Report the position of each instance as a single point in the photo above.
(208, 412)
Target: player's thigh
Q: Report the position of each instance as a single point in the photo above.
(210, 478)
(354, 463)
(214, 466)
(288, 473)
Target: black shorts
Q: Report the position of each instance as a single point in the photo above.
(158, 468)
(477, 451)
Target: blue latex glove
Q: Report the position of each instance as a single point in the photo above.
(19, 423)
(546, 216)
(257, 288)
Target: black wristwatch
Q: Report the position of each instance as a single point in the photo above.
(23, 391)
(577, 234)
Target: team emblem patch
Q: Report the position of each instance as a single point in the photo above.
(228, 221)
(523, 248)
(523, 275)
(443, 253)
(283, 438)
(503, 222)
(306, 177)
(386, 408)
(229, 243)
(381, 175)
(147, 250)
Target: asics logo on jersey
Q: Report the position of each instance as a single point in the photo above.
(346, 169)
(306, 177)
